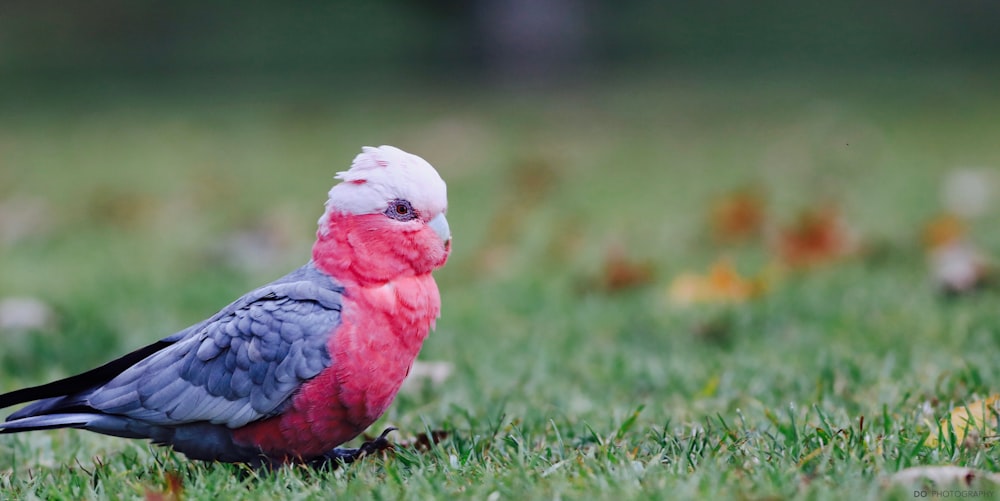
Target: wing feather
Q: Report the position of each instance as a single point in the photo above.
(235, 368)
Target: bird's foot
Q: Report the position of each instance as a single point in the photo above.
(347, 456)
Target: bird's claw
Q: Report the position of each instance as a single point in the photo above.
(379, 444)
(347, 456)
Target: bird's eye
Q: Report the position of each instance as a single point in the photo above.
(401, 210)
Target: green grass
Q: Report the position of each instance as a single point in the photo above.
(822, 388)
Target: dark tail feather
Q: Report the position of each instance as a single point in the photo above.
(81, 382)
(205, 441)
(95, 421)
(46, 422)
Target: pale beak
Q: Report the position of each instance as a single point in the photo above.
(440, 226)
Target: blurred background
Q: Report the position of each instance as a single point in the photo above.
(517, 42)
(157, 159)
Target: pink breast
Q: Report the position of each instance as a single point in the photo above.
(373, 349)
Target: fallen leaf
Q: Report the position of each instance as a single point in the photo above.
(722, 284)
(737, 216)
(956, 265)
(622, 272)
(975, 417)
(421, 443)
(943, 229)
(959, 268)
(943, 475)
(818, 236)
(426, 441)
(173, 492)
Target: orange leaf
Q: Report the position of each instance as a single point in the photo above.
(174, 491)
(622, 272)
(818, 236)
(977, 416)
(722, 284)
(945, 229)
(956, 265)
(737, 216)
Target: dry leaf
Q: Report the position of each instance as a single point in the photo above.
(621, 272)
(943, 475)
(737, 217)
(174, 491)
(956, 265)
(972, 418)
(421, 443)
(958, 268)
(942, 230)
(817, 237)
(722, 284)
(426, 441)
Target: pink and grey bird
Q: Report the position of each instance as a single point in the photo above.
(291, 370)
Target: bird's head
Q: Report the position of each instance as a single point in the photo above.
(385, 219)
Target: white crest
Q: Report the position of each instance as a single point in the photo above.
(380, 175)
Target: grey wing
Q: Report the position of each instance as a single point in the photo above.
(235, 368)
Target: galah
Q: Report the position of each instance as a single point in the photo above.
(293, 369)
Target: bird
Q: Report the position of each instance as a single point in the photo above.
(292, 370)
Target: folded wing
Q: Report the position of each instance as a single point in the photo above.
(241, 365)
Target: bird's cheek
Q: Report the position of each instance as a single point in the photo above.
(437, 251)
(442, 255)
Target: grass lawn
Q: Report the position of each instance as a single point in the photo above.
(147, 211)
